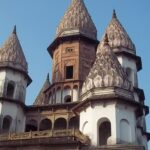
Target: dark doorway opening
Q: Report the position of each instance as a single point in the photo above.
(69, 72)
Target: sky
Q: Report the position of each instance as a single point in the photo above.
(36, 22)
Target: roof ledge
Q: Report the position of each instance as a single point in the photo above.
(107, 92)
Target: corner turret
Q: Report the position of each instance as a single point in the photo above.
(14, 80)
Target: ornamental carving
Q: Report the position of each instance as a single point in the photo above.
(11, 54)
(106, 71)
(117, 35)
(77, 20)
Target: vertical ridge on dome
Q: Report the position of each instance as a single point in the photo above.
(106, 71)
(117, 35)
(11, 53)
(77, 21)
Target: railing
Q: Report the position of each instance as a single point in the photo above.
(45, 134)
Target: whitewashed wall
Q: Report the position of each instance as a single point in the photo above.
(20, 81)
(90, 117)
(130, 63)
(125, 112)
(2, 81)
(58, 96)
(75, 94)
(66, 91)
(0, 108)
(11, 109)
(17, 115)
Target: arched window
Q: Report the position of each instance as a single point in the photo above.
(104, 129)
(60, 123)
(74, 123)
(67, 99)
(31, 125)
(67, 94)
(125, 131)
(129, 73)
(45, 124)
(10, 89)
(75, 93)
(6, 124)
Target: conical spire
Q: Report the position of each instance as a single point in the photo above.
(106, 71)
(77, 21)
(11, 53)
(117, 35)
(41, 96)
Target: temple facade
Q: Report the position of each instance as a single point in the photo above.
(93, 101)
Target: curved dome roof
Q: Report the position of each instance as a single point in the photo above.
(106, 71)
(11, 53)
(77, 21)
(117, 35)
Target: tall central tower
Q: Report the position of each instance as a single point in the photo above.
(73, 52)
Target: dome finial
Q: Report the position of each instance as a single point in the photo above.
(47, 77)
(14, 30)
(114, 14)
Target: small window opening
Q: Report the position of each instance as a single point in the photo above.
(69, 72)
(10, 90)
(128, 71)
(67, 99)
(6, 124)
(69, 50)
(104, 132)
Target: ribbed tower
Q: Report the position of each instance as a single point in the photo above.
(125, 50)
(106, 71)
(14, 80)
(109, 112)
(11, 54)
(77, 21)
(117, 35)
(73, 52)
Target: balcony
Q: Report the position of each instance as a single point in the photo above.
(73, 133)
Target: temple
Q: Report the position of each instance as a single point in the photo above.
(93, 101)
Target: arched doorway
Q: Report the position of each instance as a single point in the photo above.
(10, 89)
(6, 124)
(45, 124)
(104, 131)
